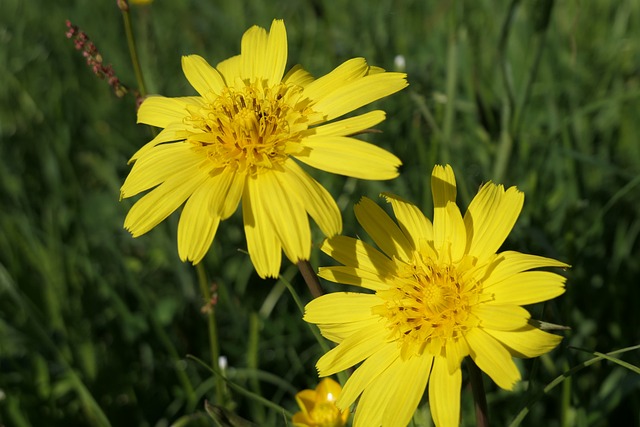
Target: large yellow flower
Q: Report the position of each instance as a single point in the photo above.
(238, 139)
(441, 292)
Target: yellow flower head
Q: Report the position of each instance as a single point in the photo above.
(318, 407)
(441, 293)
(237, 141)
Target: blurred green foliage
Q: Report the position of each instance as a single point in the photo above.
(95, 324)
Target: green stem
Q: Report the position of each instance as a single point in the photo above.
(133, 52)
(452, 81)
(213, 330)
(324, 346)
(502, 52)
(253, 350)
(479, 397)
(310, 278)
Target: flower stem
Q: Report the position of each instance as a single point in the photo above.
(310, 278)
(213, 331)
(479, 397)
(133, 52)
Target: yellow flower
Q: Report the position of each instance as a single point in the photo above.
(238, 139)
(441, 292)
(318, 408)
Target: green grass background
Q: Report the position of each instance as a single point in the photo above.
(91, 318)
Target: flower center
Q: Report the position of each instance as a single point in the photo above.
(429, 305)
(251, 128)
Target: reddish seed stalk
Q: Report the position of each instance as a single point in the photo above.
(90, 52)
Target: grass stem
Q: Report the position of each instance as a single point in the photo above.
(214, 346)
(310, 278)
(479, 396)
(133, 52)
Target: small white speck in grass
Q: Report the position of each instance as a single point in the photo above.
(222, 362)
(399, 63)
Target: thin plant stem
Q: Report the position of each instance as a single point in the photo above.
(324, 346)
(214, 346)
(253, 350)
(479, 396)
(502, 52)
(133, 52)
(243, 391)
(310, 278)
(452, 81)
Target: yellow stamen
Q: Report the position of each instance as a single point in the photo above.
(429, 305)
(249, 129)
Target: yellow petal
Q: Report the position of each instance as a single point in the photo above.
(504, 317)
(349, 157)
(410, 384)
(410, 219)
(202, 76)
(444, 394)
(276, 53)
(338, 332)
(301, 419)
(198, 225)
(509, 263)
(340, 307)
(351, 125)
(455, 234)
(314, 197)
(525, 288)
(234, 194)
(456, 350)
(252, 52)
(358, 254)
(354, 349)
(231, 69)
(287, 214)
(262, 242)
(306, 400)
(264, 55)
(327, 391)
(380, 393)
(384, 232)
(527, 341)
(298, 76)
(161, 111)
(346, 72)
(367, 373)
(168, 134)
(220, 184)
(493, 358)
(443, 188)
(352, 276)
(159, 164)
(158, 204)
(359, 92)
(490, 218)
